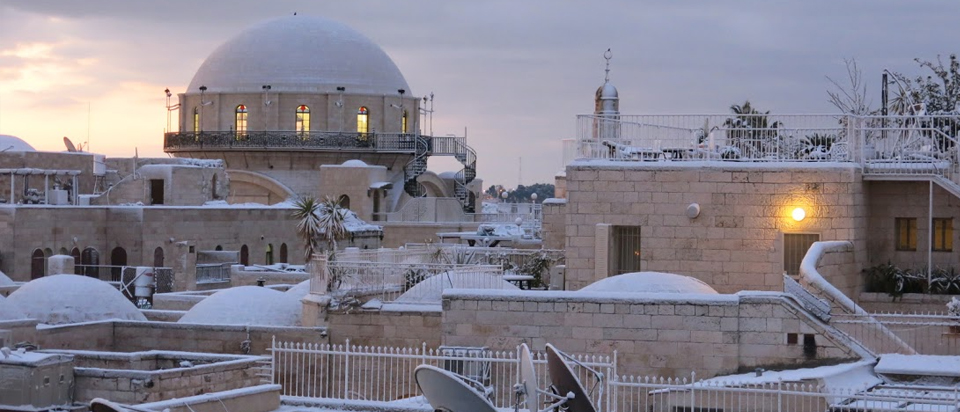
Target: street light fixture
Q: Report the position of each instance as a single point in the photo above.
(170, 107)
(402, 116)
(203, 89)
(340, 89)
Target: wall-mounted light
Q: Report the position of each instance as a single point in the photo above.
(798, 214)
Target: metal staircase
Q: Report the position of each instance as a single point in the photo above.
(426, 146)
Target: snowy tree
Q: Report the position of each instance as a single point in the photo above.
(850, 98)
(308, 224)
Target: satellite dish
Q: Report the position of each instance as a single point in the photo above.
(70, 147)
(528, 377)
(448, 392)
(566, 382)
(103, 405)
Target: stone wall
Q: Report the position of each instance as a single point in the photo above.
(554, 228)
(383, 328)
(906, 303)
(840, 266)
(890, 200)
(671, 336)
(396, 234)
(736, 242)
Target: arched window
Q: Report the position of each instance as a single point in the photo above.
(303, 121)
(64, 251)
(344, 201)
(196, 119)
(403, 122)
(283, 253)
(90, 258)
(363, 120)
(213, 187)
(240, 125)
(37, 264)
(268, 259)
(218, 248)
(244, 255)
(158, 257)
(118, 259)
(77, 266)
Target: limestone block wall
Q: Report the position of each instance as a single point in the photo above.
(841, 268)
(45, 160)
(736, 242)
(393, 329)
(554, 219)
(396, 234)
(709, 334)
(891, 200)
(353, 182)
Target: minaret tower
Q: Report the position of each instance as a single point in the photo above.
(607, 107)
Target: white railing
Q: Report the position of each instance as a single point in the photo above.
(926, 333)
(388, 281)
(213, 272)
(654, 394)
(449, 210)
(385, 374)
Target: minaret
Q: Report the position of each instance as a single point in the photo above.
(607, 107)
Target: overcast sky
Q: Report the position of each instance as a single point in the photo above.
(513, 73)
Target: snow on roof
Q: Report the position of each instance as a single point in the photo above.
(353, 223)
(355, 163)
(926, 365)
(851, 376)
(246, 305)
(61, 299)
(709, 164)
(300, 290)
(431, 289)
(14, 144)
(9, 311)
(650, 282)
(5, 280)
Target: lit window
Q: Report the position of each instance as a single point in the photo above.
(241, 120)
(906, 231)
(942, 234)
(196, 119)
(626, 249)
(363, 116)
(303, 120)
(403, 122)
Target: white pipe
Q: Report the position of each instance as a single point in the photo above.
(931, 237)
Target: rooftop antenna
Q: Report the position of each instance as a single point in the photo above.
(87, 144)
(607, 55)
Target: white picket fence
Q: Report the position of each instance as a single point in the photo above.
(385, 374)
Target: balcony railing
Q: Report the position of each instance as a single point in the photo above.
(233, 140)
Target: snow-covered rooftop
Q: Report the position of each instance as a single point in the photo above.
(246, 305)
(430, 290)
(61, 299)
(650, 282)
(9, 311)
(5, 280)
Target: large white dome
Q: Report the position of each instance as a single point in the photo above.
(299, 54)
(14, 144)
(246, 305)
(63, 299)
(650, 282)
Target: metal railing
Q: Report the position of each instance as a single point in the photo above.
(214, 272)
(449, 210)
(386, 374)
(926, 333)
(111, 273)
(630, 393)
(220, 140)
(388, 281)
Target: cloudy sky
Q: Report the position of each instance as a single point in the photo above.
(513, 73)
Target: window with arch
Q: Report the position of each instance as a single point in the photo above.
(77, 263)
(268, 259)
(38, 264)
(283, 253)
(240, 124)
(196, 119)
(118, 259)
(403, 122)
(344, 201)
(158, 257)
(218, 248)
(213, 187)
(363, 120)
(303, 120)
(244, 255)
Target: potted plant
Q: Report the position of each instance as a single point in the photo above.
(953, 309)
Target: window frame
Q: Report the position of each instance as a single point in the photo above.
(624, 238)
(363, 120)
(302, 120)
(240, 120)
(942, 227)
(909, 224)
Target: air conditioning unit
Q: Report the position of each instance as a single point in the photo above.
(468, 361)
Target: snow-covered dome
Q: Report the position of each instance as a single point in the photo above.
(246, 305)
(60, 299)
(355, 163)
(300, 289)
(607, 91)
(300, 54)
(5, 280)
(9, 311)
(650, 282)
(14, 144)
(430, 290)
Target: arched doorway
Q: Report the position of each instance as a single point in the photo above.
(158, 257)
(118, 259)
(283, 253)
(344, 201)
(90, 259)
(37, 264)
(77, 267)
(268, 259)
(244, 255)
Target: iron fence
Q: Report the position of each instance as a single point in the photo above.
(214, 272)
(388, 281)
(929, 334)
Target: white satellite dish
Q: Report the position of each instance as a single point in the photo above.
(70, 146)
(565, 382)
(528, 377)
(449, 392)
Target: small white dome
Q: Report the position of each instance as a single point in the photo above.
(607, 91)
(430, 290)
(650, 282)
(300, 290)
(9, 311)
(355, 163)
(60, 299)
(246, 305)
(5, 280)
(14, 144)
(299, 54)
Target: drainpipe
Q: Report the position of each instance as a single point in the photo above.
(930, 241)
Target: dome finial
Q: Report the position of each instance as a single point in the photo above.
(607, 55)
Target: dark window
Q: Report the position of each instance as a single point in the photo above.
(158, 257)
(344, 201)
(809, 345)
(156, 191)
(793, 338)
(244, 255)
(218, 247)
(795, 247)
(118, 259)
(90, 258)
(77, 263)
(283, 253)
(37, 264)
(268, 259)
(906, 232)
(942, 234)
(626, 249)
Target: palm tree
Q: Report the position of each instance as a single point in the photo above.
(750, 129)
(308, 224)
(332, 222)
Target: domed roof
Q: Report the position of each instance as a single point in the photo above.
(62, 299)
(246, 305)
(300, 290)
(430, 290)
(650, 282)
(355, 163)
(607, 91)
(9, 311)
(5, 280)
(14, 144)
(302, 54)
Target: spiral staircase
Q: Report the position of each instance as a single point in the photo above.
(426, 146)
